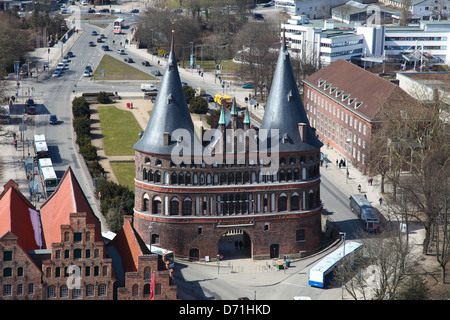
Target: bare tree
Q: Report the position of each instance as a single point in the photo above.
(257, 43)
(387, 263)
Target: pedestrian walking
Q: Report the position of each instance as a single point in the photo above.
(381, 201)
(15, 144)
(359, 188)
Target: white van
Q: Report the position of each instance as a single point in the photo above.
(148, 87)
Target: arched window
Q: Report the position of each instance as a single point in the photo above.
(150, 175)
(157, 176)
(147, 160)
(230, 178)
(296, 174)
(223, 178)
(180, 178)
(294, 202)
(147, 289)
(174, 205)
(156, 207)
(134, 290)
(147, 273)
(188, 178)
(173, 178)
(187, 207)
(144, 174)
(282, 202)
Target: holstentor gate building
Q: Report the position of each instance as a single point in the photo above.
(193, 206)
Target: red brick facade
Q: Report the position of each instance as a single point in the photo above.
(191, 211)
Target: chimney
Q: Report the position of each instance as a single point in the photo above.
(166, 139)
(302, 131)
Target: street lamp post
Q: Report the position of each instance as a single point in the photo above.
(343, 257)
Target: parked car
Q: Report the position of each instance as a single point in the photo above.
(146, 63)
(156, 73)
(248, 86)
(86, 73)
(99, 40)
(53, 119)
(91, 44)
(70, 54)
(120, 51)
(134, 11)
(94, 33)
(129, 60)
(30, 102)
(32, 110)
(91, 10)
(105, 48)
(102, 36)
(88, 68)
(208, 97)
(56, 74)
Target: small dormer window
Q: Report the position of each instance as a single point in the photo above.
(170, 99)
(350, 101)
(321, 82)
(327, 86)
(171, 67)
(333, 89)
(285, 138)
(357, 105)
(338, 93)
(290, 96)
(345, 96)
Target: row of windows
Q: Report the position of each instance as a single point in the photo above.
(56, 271)
(76, 292)
(292, 160)
(187, 178)
(323, 103)
(232, 204)
(76, 254)
(8, 289)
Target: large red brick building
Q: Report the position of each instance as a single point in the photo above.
(220, 192)
(58, 252)
(346, 103)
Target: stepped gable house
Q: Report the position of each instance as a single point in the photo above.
(222, 192)
(344, 103)
(39, 251)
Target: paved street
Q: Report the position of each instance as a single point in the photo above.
(232, 278)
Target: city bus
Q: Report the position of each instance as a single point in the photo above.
(117, 26)
(165, 254)
(321, 274)
(365, 212)
(49, 179)
(40, 146)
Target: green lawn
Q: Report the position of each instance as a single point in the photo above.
(115, 69)
(124, 172)
(120, 130)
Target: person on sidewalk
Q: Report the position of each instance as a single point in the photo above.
(381, 201)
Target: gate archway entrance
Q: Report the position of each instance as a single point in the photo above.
(235, 244)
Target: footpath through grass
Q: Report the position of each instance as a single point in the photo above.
(120, 130)
(115, 69)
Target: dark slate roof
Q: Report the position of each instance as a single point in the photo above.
(167, 117)
(284, 108)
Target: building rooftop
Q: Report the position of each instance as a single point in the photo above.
(285, 111)
(66, 199)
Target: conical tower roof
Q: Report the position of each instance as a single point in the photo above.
(284, 109)
(169, 113)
